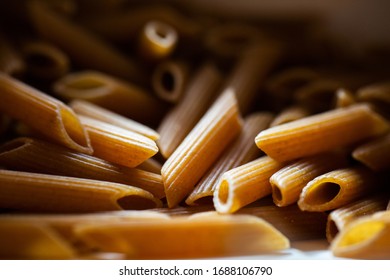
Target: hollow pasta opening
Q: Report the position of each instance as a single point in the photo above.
(223, 193)
(168, 81)
(322, 193)
(277, 194)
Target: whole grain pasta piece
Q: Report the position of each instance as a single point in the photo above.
(111, 93)
(118, 145)
(245, 184)
(43, 113)
(28, 240)
(201, 148)
(124, 26)
(198, 96)
(339, 218)
(197, 236)
(375, 153)
(82, 46)
(252, 67)
(338, 188)
(32, 155)
(321, 132)
(34, 192)
(365, 238)
(290, 114)
(375, 92)
(288, 182)
(151, 165)
(344, 98)
(44, 60)
(170, 79)
(11, 61)
(157, 41)
(295, 224)
(241, 151)
(93, 111)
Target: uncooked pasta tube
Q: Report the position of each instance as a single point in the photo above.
(288, 182)
(322, 132)
(245, 184)
(290, 114)
(33, 192)
(118, 145)
(365, 238)
(43, 113)
(241, 151)
(32, 155)
(200, 149)
(200, 235)
(339, 218)
(199, 94)
(338, 188)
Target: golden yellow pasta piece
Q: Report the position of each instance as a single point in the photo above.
(157, 40)
(32, 155)
(111, 93)
(240, 152)
(322, 132)
(83, 47)
(28, 240)
(338, 188)
(290, 114)
(36, 192)
(93, 111)
(197, 98)
(288, 182)
(44, 60)
(338, 219)
(11, 61)
(43, 113)
(365, 238)
(118, 145)
(151, 165)
(200, 149)
(169, 80)
(197, 236)
(245, 184)
(375, 153)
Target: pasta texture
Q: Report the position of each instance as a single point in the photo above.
(365, 238)
(245, 184)
(34, 192)
(322, 132)
(43, 113)
(118, 145)
(201, 148)
(211, 236)
(338, 188)
(288, 182)
(240, 152)
(32, 155)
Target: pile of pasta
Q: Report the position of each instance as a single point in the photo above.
(158, 132)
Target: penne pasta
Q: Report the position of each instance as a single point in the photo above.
(111, 93)
(26, 240)
(379, 92)
(11, 62)
(338, 188)
(118, 145)
(245, 184)
(45, 61)
(253, 65)
(157, 40)
(240, 152)
(322, 132)
(290, 114)
(34, 192)
(82, 46)
(211, 236)
(169, 80)
(43, 113)
(375, 153)
(93, 111)
(344, 98)
(288, 182)
(201, 148)
(338, 219)
(151, 165)
(31, 155)
(197, 98)
(365, 238)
